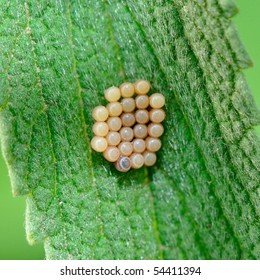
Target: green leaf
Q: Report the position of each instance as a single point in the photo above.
(201, 200)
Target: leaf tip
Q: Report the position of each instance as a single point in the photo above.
(30, 239)
(229, 8)
(243, 59)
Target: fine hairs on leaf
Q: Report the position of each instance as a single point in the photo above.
(201, 199)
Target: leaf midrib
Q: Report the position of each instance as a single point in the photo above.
(84, 123)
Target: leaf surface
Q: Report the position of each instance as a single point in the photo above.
(201, 200)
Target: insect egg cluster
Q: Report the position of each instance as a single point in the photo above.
(128, 129)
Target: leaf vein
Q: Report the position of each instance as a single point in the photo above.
(84, 123)
(188, 125)
(233, 167)
(46, 115)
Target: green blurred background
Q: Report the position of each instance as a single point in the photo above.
(13, 244)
